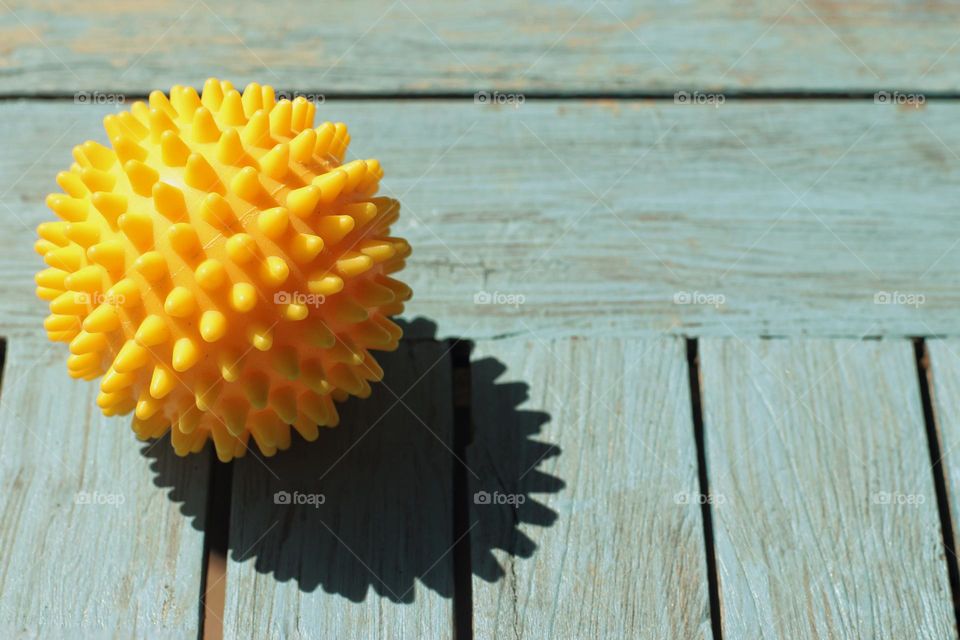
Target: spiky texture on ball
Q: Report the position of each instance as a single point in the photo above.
(222, 268)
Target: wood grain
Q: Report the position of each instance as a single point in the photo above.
(595, 436)
(93, 544)
(374, 558)
(417, 46)
(825, 516)
(603, 216)
(944, 380)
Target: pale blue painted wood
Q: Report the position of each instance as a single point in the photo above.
(623, 218)
(93, 540)
(416, 46)
(824, 514)
(588, 522)
(944, 380)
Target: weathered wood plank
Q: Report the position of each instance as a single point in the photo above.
(92, 544)
(508, 202)
(944, 380)
(416, 46)
(618, 552)
(374, 559)
(825, 516)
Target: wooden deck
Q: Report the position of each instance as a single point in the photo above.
(673, 368)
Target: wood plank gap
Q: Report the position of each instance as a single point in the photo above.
(216, 538)
(3, 360)
(934, 441)
(713, 584)
(462, 437)
(752, 96)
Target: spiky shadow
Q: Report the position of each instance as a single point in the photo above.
(387, 477)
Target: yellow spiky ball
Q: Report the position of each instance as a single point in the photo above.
(222, 268)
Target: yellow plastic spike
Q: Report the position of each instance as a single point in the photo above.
(102, 157)
(180, 303)
(86, 279)
(274, 271)
(52, 278)
(333, 229)
(276, 163)
(247, 185)
(212, 94)
(305, 247)
(301, 202)
(280, 118)
(152, 331)
(142, 177)
(160, 121)
(127, 149)
(110, 253)
(325, 133)
(217, 212)
(231, 109)
(86, 342)
(230, 147)
(222, 268)
(184, 239)
(124, 293)
(204, 127)
(138, 227)
(152, 265)
(213, 325)
(235, 415)
(210, 274)
(71, 303)
(301, 147)
(97, 180)
(185, 100)
(200, 175)
(186, 353)
(331, 184)
(169, 201)
(69, 209)
(243, 297)
(241, 248)
(173, 150)
(162, 382)
(66, 258)
(84, 234)
(273, 222)
(257, 131)
(110, 205)
(131, 357)
(252, 99)
(102, 319)
(325, 284)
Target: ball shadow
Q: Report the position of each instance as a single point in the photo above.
(408, 488)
